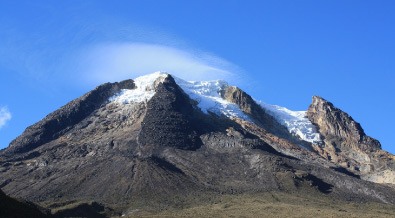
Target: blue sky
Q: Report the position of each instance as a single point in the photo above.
(281, 52)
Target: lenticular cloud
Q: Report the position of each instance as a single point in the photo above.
(115, 62)
(5, 116)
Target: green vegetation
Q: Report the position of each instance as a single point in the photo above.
(272, 204)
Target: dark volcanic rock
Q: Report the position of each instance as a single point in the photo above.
(166, 122)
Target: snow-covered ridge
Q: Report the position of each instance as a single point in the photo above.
(295, 121)
(207, 94)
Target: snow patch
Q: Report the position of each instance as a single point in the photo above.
(145, 89)
(295, 121)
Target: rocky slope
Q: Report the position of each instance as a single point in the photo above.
(58, 122)
(162, 141)
(347, 144)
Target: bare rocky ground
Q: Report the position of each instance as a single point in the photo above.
(94, 158)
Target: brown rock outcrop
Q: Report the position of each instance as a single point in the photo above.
(346, 143)
(338, 128)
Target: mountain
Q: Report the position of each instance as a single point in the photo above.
(159, 141)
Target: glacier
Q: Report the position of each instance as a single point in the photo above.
(295, 121)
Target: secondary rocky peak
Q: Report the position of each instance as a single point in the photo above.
(339, 128)
(249, 106)
(126, 84)
(346, 144)
(243, 100)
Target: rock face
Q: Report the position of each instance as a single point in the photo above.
(338, 128)
(347, 144)
(167, 149)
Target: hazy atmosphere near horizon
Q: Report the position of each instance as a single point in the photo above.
(280, 52)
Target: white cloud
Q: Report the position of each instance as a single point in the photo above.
(5, 116)
(118, 61)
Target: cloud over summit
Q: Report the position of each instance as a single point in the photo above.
(118, 61)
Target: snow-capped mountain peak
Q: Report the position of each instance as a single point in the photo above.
(208, 96)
